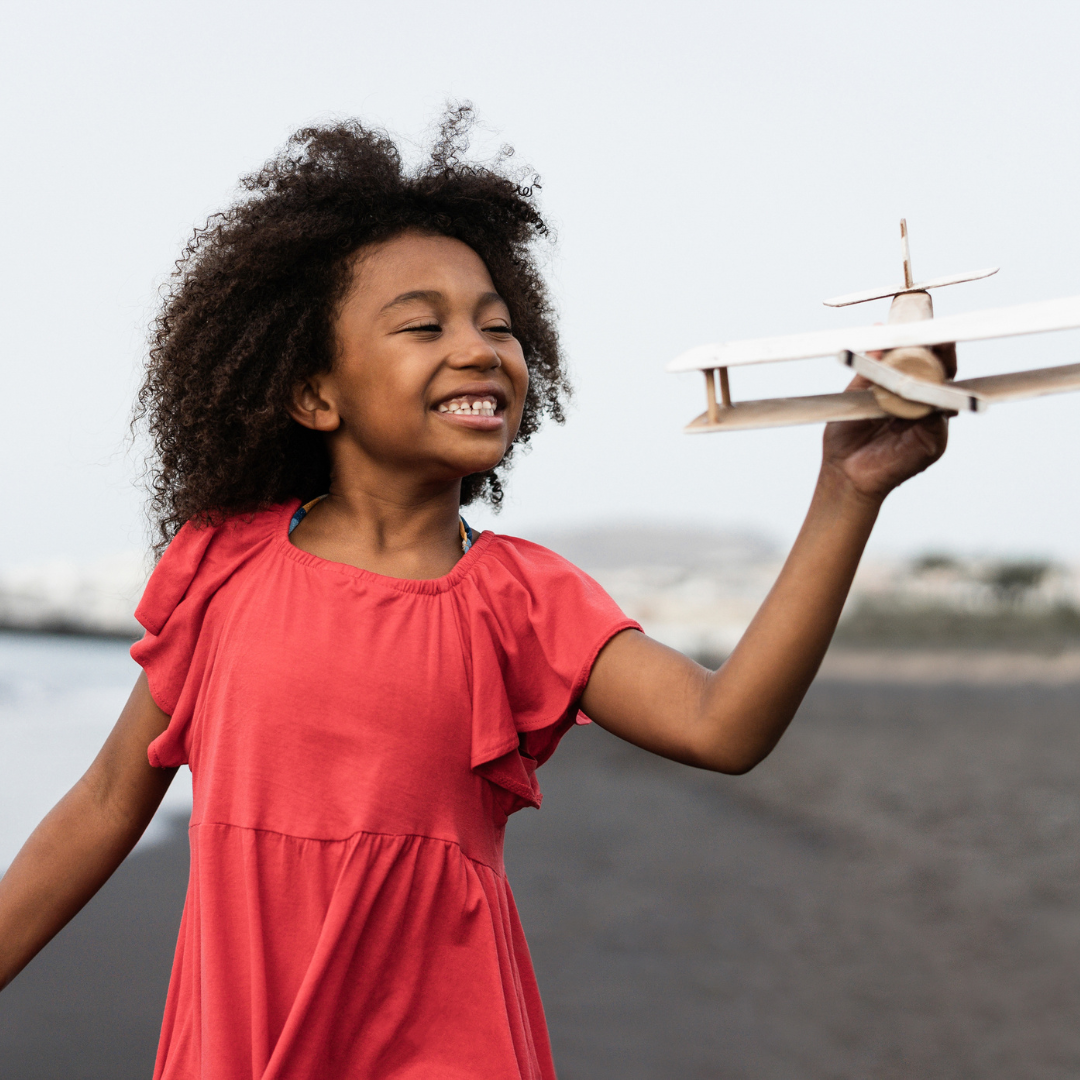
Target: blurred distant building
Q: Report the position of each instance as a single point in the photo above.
(74, 598)
(692, 587)
(968, 584)
(940, 600)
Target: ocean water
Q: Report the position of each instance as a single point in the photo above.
(59, 698)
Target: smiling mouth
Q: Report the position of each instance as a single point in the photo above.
(470, 405)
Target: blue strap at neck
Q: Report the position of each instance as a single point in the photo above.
(467, 535)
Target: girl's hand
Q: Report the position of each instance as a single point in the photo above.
(874, 456)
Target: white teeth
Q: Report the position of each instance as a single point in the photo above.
(462, 406)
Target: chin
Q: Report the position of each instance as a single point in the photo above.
(471, 466)
(472, 470)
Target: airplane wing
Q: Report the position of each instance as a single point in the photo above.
(862, 405)
(1034, 318)
(782, 412)
(1023, 384)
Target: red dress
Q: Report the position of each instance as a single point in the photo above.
(357, 743)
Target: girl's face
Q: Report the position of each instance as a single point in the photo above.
(428, 379)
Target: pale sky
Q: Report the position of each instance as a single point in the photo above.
(713, 171)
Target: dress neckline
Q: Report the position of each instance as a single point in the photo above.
(429, 586)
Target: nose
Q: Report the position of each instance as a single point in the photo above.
(470, 349)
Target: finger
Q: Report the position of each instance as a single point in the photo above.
(933, 435)
(947, 355)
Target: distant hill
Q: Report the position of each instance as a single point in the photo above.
(690, 547)
(692, 587)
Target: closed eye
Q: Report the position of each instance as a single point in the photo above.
(430, 328)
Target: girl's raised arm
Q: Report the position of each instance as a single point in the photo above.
(731, 719)
(84, 838)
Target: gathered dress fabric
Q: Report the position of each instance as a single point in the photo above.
(356, 744)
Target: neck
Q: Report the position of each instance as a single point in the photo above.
(388, 524)
(393, 521)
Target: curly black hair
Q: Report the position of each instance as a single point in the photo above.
(249, 311)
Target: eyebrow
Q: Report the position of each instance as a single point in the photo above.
(434, 296)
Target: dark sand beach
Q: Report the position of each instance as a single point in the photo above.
(894, 893)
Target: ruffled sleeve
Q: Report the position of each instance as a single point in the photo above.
(534, 625)
(173, 608)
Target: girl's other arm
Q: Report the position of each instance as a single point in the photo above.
(731, 719)
(84, 838)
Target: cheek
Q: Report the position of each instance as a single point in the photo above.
(382, 399)
(518, 371)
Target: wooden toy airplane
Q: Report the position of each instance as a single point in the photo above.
(908, 381)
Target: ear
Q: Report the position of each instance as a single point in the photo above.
(310, 406)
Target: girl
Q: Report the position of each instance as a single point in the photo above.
(362, 686)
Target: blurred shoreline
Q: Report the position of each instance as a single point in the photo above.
(63, 629)
(904, 664)
(64, 596)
